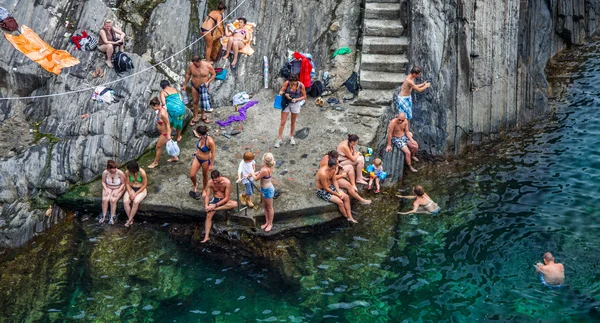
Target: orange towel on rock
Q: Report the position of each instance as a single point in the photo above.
(30, 44)
(249, 31)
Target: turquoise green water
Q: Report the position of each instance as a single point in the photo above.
(537, 193)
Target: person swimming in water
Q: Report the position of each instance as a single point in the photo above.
(422, 200)
(552, 274)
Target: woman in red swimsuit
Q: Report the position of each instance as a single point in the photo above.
(164, 128)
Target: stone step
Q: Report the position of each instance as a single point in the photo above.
(374, 97)
(383, 1)
(383, 63)
(384, 45)
(383, 28)
(370, 80)
(382, 10)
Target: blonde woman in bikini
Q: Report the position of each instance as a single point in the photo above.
(422, 204)
(209, 34)
(113, 187)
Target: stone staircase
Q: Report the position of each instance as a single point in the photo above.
(383, 60)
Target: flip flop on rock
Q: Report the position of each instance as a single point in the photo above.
(195, 195)
(193, 122)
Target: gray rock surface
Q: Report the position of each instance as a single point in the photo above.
(48, 145)
(486, 60)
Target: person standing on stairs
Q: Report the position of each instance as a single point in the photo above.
(404, 100)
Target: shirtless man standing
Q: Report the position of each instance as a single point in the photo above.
(552, 274)
(405, 100)
(221, 187)
(328, 189)
(399, 136)
(202, 73)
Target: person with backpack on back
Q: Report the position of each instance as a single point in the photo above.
(111, 40)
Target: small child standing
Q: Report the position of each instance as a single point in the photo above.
(245, 171)
(378, 169)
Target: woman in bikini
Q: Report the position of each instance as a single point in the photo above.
(237, 40)
(295, 93)
(135, 190)
(164, 129)
(345, 176)
(113, 186)
(203, 158)
(211, 35)
(267, 189)
(170, 98)
(349, 156)
(422, 200)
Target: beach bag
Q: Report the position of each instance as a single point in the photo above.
(353, 83)
(172, 148)
(9, 24)
(278, 102)
(291, 67)
(221, 75)
(240, 98)
(92, 43)
(316, 90)
(121, 62)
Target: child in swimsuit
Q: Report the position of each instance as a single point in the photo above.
(378, 169)
(245, 171)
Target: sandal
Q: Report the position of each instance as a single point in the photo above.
(205, 120)
(193, 122)
(195, 195)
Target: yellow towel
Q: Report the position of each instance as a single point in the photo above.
(30, 44)
(249, 31)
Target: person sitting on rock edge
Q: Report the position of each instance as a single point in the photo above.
(401, 137)
(136, 182)
(344, 176)
(113, 187)
(110, 40)
(349, 156)
(221, 188)
(328, 189)
(404, 99)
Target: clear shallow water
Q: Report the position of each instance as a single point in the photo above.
(472, 262)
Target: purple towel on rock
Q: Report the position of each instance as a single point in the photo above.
(240, 117)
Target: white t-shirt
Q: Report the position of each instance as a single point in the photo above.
(246, 168)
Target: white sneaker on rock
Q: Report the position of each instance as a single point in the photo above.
(292, 141)
(277, 143)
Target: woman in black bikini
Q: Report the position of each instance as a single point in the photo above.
(237, 40)
(164, 128)
(205, 158)
(213, 19)
(113, 186)
(135, 190)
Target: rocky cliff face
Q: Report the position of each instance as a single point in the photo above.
(68, 149)
(486, 60)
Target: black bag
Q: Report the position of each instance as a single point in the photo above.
(292, 67)
(121, 62)
(353, 83)
(317, 89)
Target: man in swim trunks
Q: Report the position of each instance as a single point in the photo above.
(401, 138)
(221, 188)
(202, 74)
(404, 100)
(328, 189)
(553, 274)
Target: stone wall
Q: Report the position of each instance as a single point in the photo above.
(69, 149)
(486, 60)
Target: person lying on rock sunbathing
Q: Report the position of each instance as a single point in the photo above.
(344, 176)
(221, 187)
(329, 190)
(551, 274)
(399, 136)
(422, 204)
(237, 40)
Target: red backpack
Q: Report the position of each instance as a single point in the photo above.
(9, 24)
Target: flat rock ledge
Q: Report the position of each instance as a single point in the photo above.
(297, 207)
